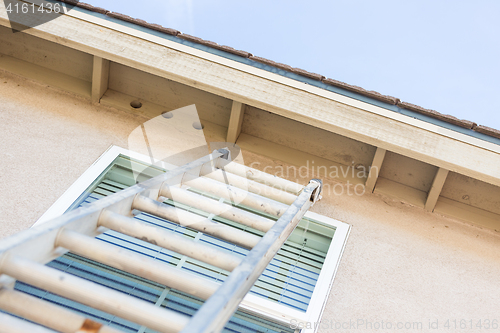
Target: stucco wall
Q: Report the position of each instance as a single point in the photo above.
(401, 264)
(48, 139)
(404, 265)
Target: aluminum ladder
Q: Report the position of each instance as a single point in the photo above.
(22, 256)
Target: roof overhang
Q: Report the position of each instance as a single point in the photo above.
(274, 93)
(98, 35)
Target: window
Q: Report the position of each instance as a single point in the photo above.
(293, 288)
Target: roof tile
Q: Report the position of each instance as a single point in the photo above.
(85, 6)
(272, 63)
(91, 8)
(305, 73)
(434, 114)
(364, 92)
(487, 130)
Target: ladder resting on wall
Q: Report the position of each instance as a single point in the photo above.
(22, 256)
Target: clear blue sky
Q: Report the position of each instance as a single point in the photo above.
(439, 54)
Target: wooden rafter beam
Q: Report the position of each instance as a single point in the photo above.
(235, 121)
(378, 159)
(100, 78)
(435, 191)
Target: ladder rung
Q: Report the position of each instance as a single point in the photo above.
(196, 222)
(93, 295)
(250, 185)
(236, 195)
(136, 264)
(11, 324)
(47, 314)
(260, 176)
(169, 240)
(217, 208)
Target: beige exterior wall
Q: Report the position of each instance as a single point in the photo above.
(401, 263)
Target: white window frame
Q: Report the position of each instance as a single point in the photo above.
(253, 303)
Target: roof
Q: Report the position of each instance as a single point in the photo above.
(372, 97)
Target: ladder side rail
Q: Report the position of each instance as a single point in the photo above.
(218, 309)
